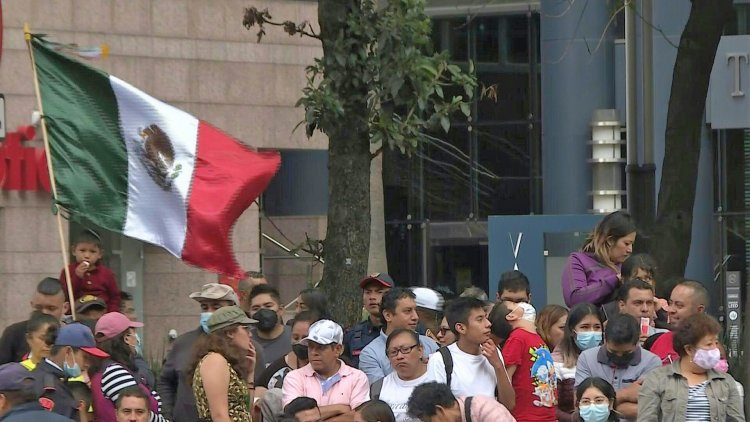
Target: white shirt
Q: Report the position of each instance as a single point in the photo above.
(396, 393)
(473, 375)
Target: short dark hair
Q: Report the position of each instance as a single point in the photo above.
(89, 236)
(458, 311)
(629, 285)
(39, 320)
(397, 332)
(513, 281)
(391, 298)
(125, 295)
(49, 287)
(426, 397)
(376, 410)
(132, 392)
(500, 327)
(306, 316)
(622, 329)
(254, 274)
(692, 330)
(700, 294)
(262, 289)
(300, 404)
(80, 391)
(316, 301)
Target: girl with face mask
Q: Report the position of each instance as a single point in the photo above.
(690, 388)
(115, 334)
(596, 401)
(583, 330)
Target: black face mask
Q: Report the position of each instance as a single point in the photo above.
(267, 319)
(300, 350)
(622, 360)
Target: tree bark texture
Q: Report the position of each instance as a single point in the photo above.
(671, 235)
(348, 234)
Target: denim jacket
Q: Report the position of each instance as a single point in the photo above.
(664, 396)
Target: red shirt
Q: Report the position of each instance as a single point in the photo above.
(99, 281)
(663, 348)
(534, 379)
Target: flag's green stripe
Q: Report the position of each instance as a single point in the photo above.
(89, 157)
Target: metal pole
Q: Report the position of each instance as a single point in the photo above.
(648, 81)
(631, 121)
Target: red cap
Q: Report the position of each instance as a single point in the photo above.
(380, 278)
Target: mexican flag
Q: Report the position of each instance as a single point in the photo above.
(135, 165)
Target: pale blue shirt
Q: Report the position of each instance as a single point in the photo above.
(374, 362)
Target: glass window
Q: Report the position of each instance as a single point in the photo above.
(487, 39)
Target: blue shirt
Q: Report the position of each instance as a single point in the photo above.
(357, 338)
(374, 361)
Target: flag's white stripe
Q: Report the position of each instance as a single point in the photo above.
(155, 215)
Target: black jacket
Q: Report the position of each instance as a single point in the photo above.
(49, 383)
(13, 343)
(32, 411)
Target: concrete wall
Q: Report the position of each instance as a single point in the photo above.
(194, 54)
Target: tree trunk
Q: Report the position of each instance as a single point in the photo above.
(378, 260)
(671, 236)
(348, 235)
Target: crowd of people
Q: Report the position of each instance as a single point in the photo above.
(615, 352)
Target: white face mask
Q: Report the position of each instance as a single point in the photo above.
(529, 313)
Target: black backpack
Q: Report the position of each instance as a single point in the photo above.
(467, 408)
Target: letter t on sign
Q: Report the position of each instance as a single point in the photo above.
(737, 72)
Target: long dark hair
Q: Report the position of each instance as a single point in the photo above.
(219, 342)
(316, 301)
(568, 347)
(606, 389)
(119, 352)
(613, 227)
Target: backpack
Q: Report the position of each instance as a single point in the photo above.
(377, 386)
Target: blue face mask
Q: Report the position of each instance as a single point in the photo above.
(594, 412)
(138, 345)
(588, 339)
(71, 372)
(204, 320)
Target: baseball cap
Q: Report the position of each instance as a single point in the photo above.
(216, 291)
(324, 332)
(89, 301)
(79, 336)
(228, 315)
(428, 299)
(112, 324)
(383, 279)
(14, 377)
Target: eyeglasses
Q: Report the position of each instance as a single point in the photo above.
(403, 349)
(597, 400)
(444, 330)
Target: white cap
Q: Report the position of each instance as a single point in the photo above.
(428, 299)
(324, 332)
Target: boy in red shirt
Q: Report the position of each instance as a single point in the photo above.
(88, 276)
(529, 364)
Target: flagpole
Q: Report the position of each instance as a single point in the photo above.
(63, 244)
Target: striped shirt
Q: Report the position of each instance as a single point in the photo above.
(698, 408)
(116, 378)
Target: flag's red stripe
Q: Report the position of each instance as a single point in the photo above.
(227, 178)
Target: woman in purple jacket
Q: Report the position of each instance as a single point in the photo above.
(593, 274)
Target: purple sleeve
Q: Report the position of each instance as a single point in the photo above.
(578, 286)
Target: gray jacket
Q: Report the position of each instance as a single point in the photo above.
(178, 402)
(664, 396)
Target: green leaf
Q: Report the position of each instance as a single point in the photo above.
(465, 109)
(439, 91)
(445, 123)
